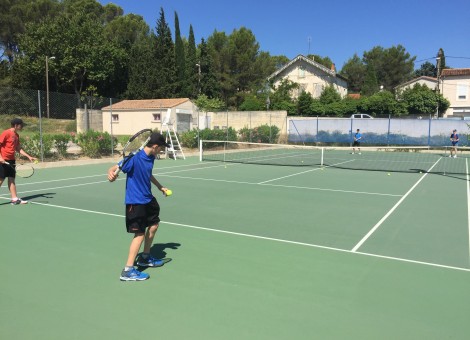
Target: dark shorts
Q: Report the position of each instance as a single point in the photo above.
(455, 144)
(7, 171)
(356, 143)
(141, 216)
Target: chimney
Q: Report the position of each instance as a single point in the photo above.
(333, 68)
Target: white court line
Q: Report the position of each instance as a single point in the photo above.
(268, 239)
(468, 205)
(392, 210)
(104, 174)
(163, 174)
(303, 172)
(284, 186)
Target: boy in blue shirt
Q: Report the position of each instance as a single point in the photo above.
(454, 139)
(142, 209)
(357, 142)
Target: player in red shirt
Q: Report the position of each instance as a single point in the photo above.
(9, 145)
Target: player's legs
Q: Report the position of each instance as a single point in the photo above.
(134, 248)
(149, 235)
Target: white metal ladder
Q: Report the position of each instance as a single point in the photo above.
(175, 150)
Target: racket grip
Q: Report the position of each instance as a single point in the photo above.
(117, 171)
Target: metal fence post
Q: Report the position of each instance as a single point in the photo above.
(40, 127)
(111, 125)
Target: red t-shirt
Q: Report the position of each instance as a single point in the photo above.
(9, 141)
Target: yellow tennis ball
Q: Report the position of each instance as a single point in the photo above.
(388, 174)
(36, 161)
(168, 192)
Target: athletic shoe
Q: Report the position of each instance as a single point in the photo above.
(352, 153)
(455, 156)
(150, 261)
(450, 156)
(359, 153)
(133, 275)
(18, 201)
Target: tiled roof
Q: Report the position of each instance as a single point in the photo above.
(147, 104)
(354, 95)
(455, 72)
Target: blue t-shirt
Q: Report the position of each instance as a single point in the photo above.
(455, 138)
(358, 137)
(138, 185)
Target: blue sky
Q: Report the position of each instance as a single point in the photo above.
(335, 28)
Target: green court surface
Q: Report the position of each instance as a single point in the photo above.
(257, 252)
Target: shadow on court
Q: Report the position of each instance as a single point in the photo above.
(34, 198)
(158, 251)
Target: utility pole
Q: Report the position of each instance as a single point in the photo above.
(438, 62)
(199, 78)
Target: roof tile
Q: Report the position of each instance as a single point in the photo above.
(147, 104)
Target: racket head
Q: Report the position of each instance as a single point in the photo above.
(136, 143)
(24, 170)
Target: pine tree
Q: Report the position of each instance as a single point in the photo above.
(180, 60)
(164, 73)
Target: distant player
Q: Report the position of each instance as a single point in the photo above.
(357, 142)
(454, 139)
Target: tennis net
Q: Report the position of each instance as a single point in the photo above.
(392, 159)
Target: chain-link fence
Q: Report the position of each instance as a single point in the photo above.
(52, 124)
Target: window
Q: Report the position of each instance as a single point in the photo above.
(156, 117)
(301, 72)
(216, 127)
(115, 118)
(462, 90)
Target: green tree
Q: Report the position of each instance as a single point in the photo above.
(304, 102)
(208, 81)
(206, 104)
(329, 95)
(426, 69)
(164, 75)
(140, 69)
(192, 70)
(88, 59)
(281, 97)
(180, 60)
(370, 85)
(422, 100)
(392, 66)
(354, 70)
(325, 61)
(382, 103)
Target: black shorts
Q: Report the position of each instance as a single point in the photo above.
(7, 170)
(356, 143)
(141, 216)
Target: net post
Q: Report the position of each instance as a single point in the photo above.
(322, 155)
(200, 150)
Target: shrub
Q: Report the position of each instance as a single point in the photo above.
(95, 144)
(61, 142)
(189, 139)
(265, 134)
(32, 145)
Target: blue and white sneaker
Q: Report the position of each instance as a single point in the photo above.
(133, 275)
(150, 261)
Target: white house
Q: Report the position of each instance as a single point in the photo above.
(455, 86)
(311, 76)
(430, 82)
(128, 116)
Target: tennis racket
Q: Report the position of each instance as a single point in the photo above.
(136, 143)
(22, 170)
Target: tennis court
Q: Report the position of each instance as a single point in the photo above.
(258, 252)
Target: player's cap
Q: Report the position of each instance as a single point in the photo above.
(454, 130)
(17, 121)
(158, 139)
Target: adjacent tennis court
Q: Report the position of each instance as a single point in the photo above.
(258, 252)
